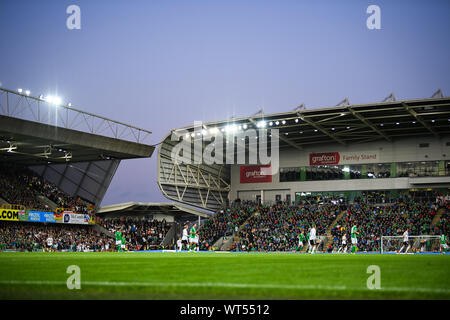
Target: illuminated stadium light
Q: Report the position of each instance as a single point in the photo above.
(53, 100)
(301, 132)
(315, 130)
(187, 135)
(381, 124)
(261, 124)
(342, 114)
(348, 127)
(232, 128)
(283, 122)
(192, 134)
(27, 92)
(223, 129)
(346, 169)
(277, 122)
(69, 104)
(287, 133)
(397, 123)
(296, 120)
(333, 129)
(19, 90)
(414, 122)
(41, 96)
(271, 123)
(245, 126)
(432, 121)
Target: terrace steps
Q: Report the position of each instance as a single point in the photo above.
(437, 217)
(235, 237)
(333, 224)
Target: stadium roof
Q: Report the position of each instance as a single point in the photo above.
(77, 151)
(166, 208)
(35, 131)
(348, 124)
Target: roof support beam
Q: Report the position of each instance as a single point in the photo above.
(368, 123)
(419, 119)
(322, 129)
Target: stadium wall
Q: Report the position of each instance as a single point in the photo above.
(404, 150)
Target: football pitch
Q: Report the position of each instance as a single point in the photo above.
(207, 276)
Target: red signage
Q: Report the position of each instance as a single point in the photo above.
(256, 174)
(319, 159)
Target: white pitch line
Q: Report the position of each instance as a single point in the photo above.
(223, 285)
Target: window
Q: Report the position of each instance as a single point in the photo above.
(324, 173)
(378, 170)
(418, 169)
(356, 171)
(289, 174)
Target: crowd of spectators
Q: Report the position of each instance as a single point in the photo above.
(390, 220)
(224, 223)
(276, 228)
(30, 236)
(139, 234)
(20, 186)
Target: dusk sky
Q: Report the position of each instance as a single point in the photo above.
(164, 64)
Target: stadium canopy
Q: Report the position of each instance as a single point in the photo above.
(175, 210)
(208, 186)
(77, 151)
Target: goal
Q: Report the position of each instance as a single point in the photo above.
(418, 244)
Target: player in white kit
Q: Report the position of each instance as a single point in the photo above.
(184, 238)
(179, 244)
(312, 238)
(405, 242)
(49, 243)
(343, 244)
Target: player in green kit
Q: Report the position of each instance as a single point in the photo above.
(301, 241)
(444, 245)
(193, 239)
(119, 241)
(354, 232)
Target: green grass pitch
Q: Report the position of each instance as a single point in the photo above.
(223, 276)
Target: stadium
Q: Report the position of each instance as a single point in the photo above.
(378, 173)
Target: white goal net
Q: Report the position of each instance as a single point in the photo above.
(416, 244)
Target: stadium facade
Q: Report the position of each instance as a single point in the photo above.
(344, 152)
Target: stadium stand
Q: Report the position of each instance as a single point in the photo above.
(224, 224)
(276, 228)
(20, 186)
(29, 236)
(374, 221)
(139, 234)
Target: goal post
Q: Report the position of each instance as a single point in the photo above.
(421, 244)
